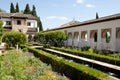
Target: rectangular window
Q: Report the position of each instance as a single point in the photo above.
(8, 22)
(18, 22)
(28, 24)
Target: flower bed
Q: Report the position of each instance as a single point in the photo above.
(16, 65)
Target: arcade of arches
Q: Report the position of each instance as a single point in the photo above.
(99, 38)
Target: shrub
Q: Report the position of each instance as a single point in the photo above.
(91, 50)
(24, 67)
(46, 46)
(1, 30)
(25, 50)
(13, 38)
(55, 38)
(39, 37)
(86, 48)
(73, 70)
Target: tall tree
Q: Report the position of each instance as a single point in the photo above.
(1, 10)
(33, 12)
(1, 26)
(27, 9)
(97, 15)
(17, 7)
(12, 9)
(39, 24)
(1, 30)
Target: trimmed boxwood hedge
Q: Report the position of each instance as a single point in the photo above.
(73, 70)
(103, 58)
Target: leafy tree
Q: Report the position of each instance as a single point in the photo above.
(1, 10)
(58, 37)
(40, 37)
(39, 24)
(27, 9)
(12, 9)
(17, 7)
(1, 30)
(13, 38)
(54, 38)
(33, 12)
(1, 26)
(97, 15)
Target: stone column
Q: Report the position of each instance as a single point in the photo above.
(88, 38)
(99, 45)
(79, 41)
(113, 39)
(72, 39)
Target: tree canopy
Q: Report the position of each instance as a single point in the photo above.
(1, 26)
(33, 12)
(27, 9)
(1, 10)
(39, 24)
(12, 9)
(97, 15)
(17, 7)
(54, 38)
(13, 38)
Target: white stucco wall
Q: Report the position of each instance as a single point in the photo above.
(4, 22)
(33, 23)
(101, 43)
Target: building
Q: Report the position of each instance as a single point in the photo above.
(102, 33)
(25, 23)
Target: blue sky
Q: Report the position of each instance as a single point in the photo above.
(54, 13)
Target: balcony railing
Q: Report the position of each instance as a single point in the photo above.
(32, 30)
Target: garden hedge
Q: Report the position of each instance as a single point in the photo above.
(54, 38)
(70, 69)
(103, 58)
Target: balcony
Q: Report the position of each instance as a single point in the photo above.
(7, 28)
(32, 30)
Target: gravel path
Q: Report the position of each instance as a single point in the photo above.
(28, 54)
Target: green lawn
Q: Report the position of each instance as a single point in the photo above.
(16, 65)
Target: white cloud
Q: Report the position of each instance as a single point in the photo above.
(79, 1)
(8, 11)
(90, 6)
(57, 17)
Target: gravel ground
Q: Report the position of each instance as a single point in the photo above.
(28, 54)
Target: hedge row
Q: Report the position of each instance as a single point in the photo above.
(103, 58)
(54, 38)
(72, 70)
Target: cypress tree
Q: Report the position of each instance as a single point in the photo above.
(39, 24)
(17, 7)
(12, 9)
(97, 15)
(33, 12)
(27, 9)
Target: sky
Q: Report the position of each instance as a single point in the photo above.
(54, 13)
